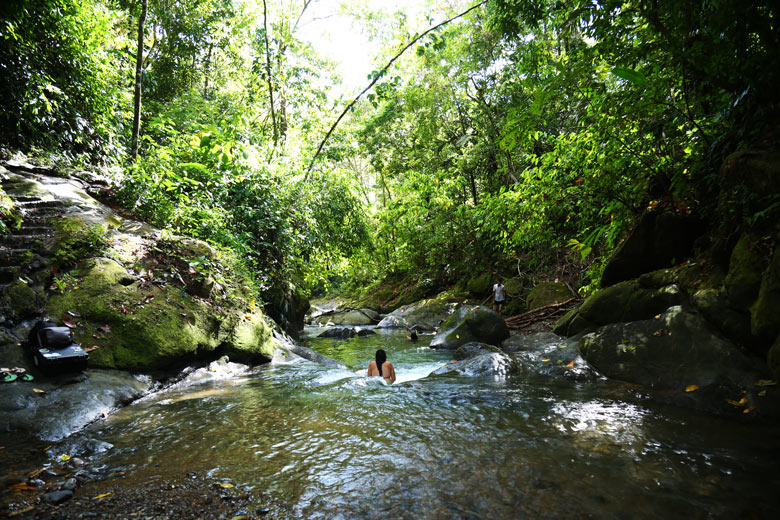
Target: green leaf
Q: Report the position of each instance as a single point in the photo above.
(631, 75)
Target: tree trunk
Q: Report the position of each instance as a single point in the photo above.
(139, 65)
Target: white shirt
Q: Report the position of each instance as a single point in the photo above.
(499, 292)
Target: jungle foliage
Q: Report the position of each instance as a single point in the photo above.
(522, 133)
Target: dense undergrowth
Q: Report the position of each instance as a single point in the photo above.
(521, 140)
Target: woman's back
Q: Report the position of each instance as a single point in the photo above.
(388, 371)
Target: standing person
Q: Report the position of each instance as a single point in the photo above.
(499, 296)
(381, 367)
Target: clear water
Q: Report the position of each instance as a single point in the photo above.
(332, 443)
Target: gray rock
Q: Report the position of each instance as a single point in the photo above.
(493, 364)
(470, 324)
(474, 348)
(530, 342)
(70, 485)
(345, 333)
(57, 497)
(351, 317)
(316, 357)
(424, 316)
(672, 353)
(65, 408)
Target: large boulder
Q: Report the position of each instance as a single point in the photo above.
(63, 407)
(677, 353)
(624, 301)
(349, 317)
(547, 293)
(140, 323)
(481, 285)
(425, 315)
(470, 324)
(660, 239)
(765, 311)
(743, 279)
(493, 364)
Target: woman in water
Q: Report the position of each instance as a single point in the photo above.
(381, 367)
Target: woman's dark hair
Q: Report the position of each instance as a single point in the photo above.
(381, 357)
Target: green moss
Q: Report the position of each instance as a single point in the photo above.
(252, 339)
(480, 286)
(773, 358)
(20, 300)
(546, 293)
(743, 279)
(136, 328)
(765, 312)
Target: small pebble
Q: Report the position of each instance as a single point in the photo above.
(77, 462)
(37, 482)
(57, 497)
(70, 484)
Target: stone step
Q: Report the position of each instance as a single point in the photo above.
(25, 198)
(39, 204)
(33, 229)
(20, 240)
(12, 257)
(42, 212)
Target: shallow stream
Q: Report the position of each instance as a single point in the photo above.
(329, 443)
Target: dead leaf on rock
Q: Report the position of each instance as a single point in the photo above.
(691, 388)
(91, 348)
(67, 321)
(74, 314)
(104, 329)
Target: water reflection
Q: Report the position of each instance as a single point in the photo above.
(335, 444)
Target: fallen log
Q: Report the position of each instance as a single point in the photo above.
(553, 310)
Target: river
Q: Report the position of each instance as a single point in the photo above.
(329, 443)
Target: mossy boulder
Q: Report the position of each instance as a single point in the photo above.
(141, 326)
(743, 279)
(624, 301)
(765, 311)
(471, 324)
(673, 352)
(773, 358)
(547, 293)
(480, 286)
(425, 315)
(19, 300)
(713, 304)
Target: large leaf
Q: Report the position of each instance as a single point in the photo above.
(631, 75)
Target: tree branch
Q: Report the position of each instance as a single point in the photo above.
(379, 75)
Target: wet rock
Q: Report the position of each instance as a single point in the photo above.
(37, 483)
(530, 342)
(469, 324)
(70, 485)
(65, 408)
(673, 352)
(472, 349)
(311, 355)
(351, 317)
(493, 364)
(57, 497)
(345, 333)
(425, 315)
